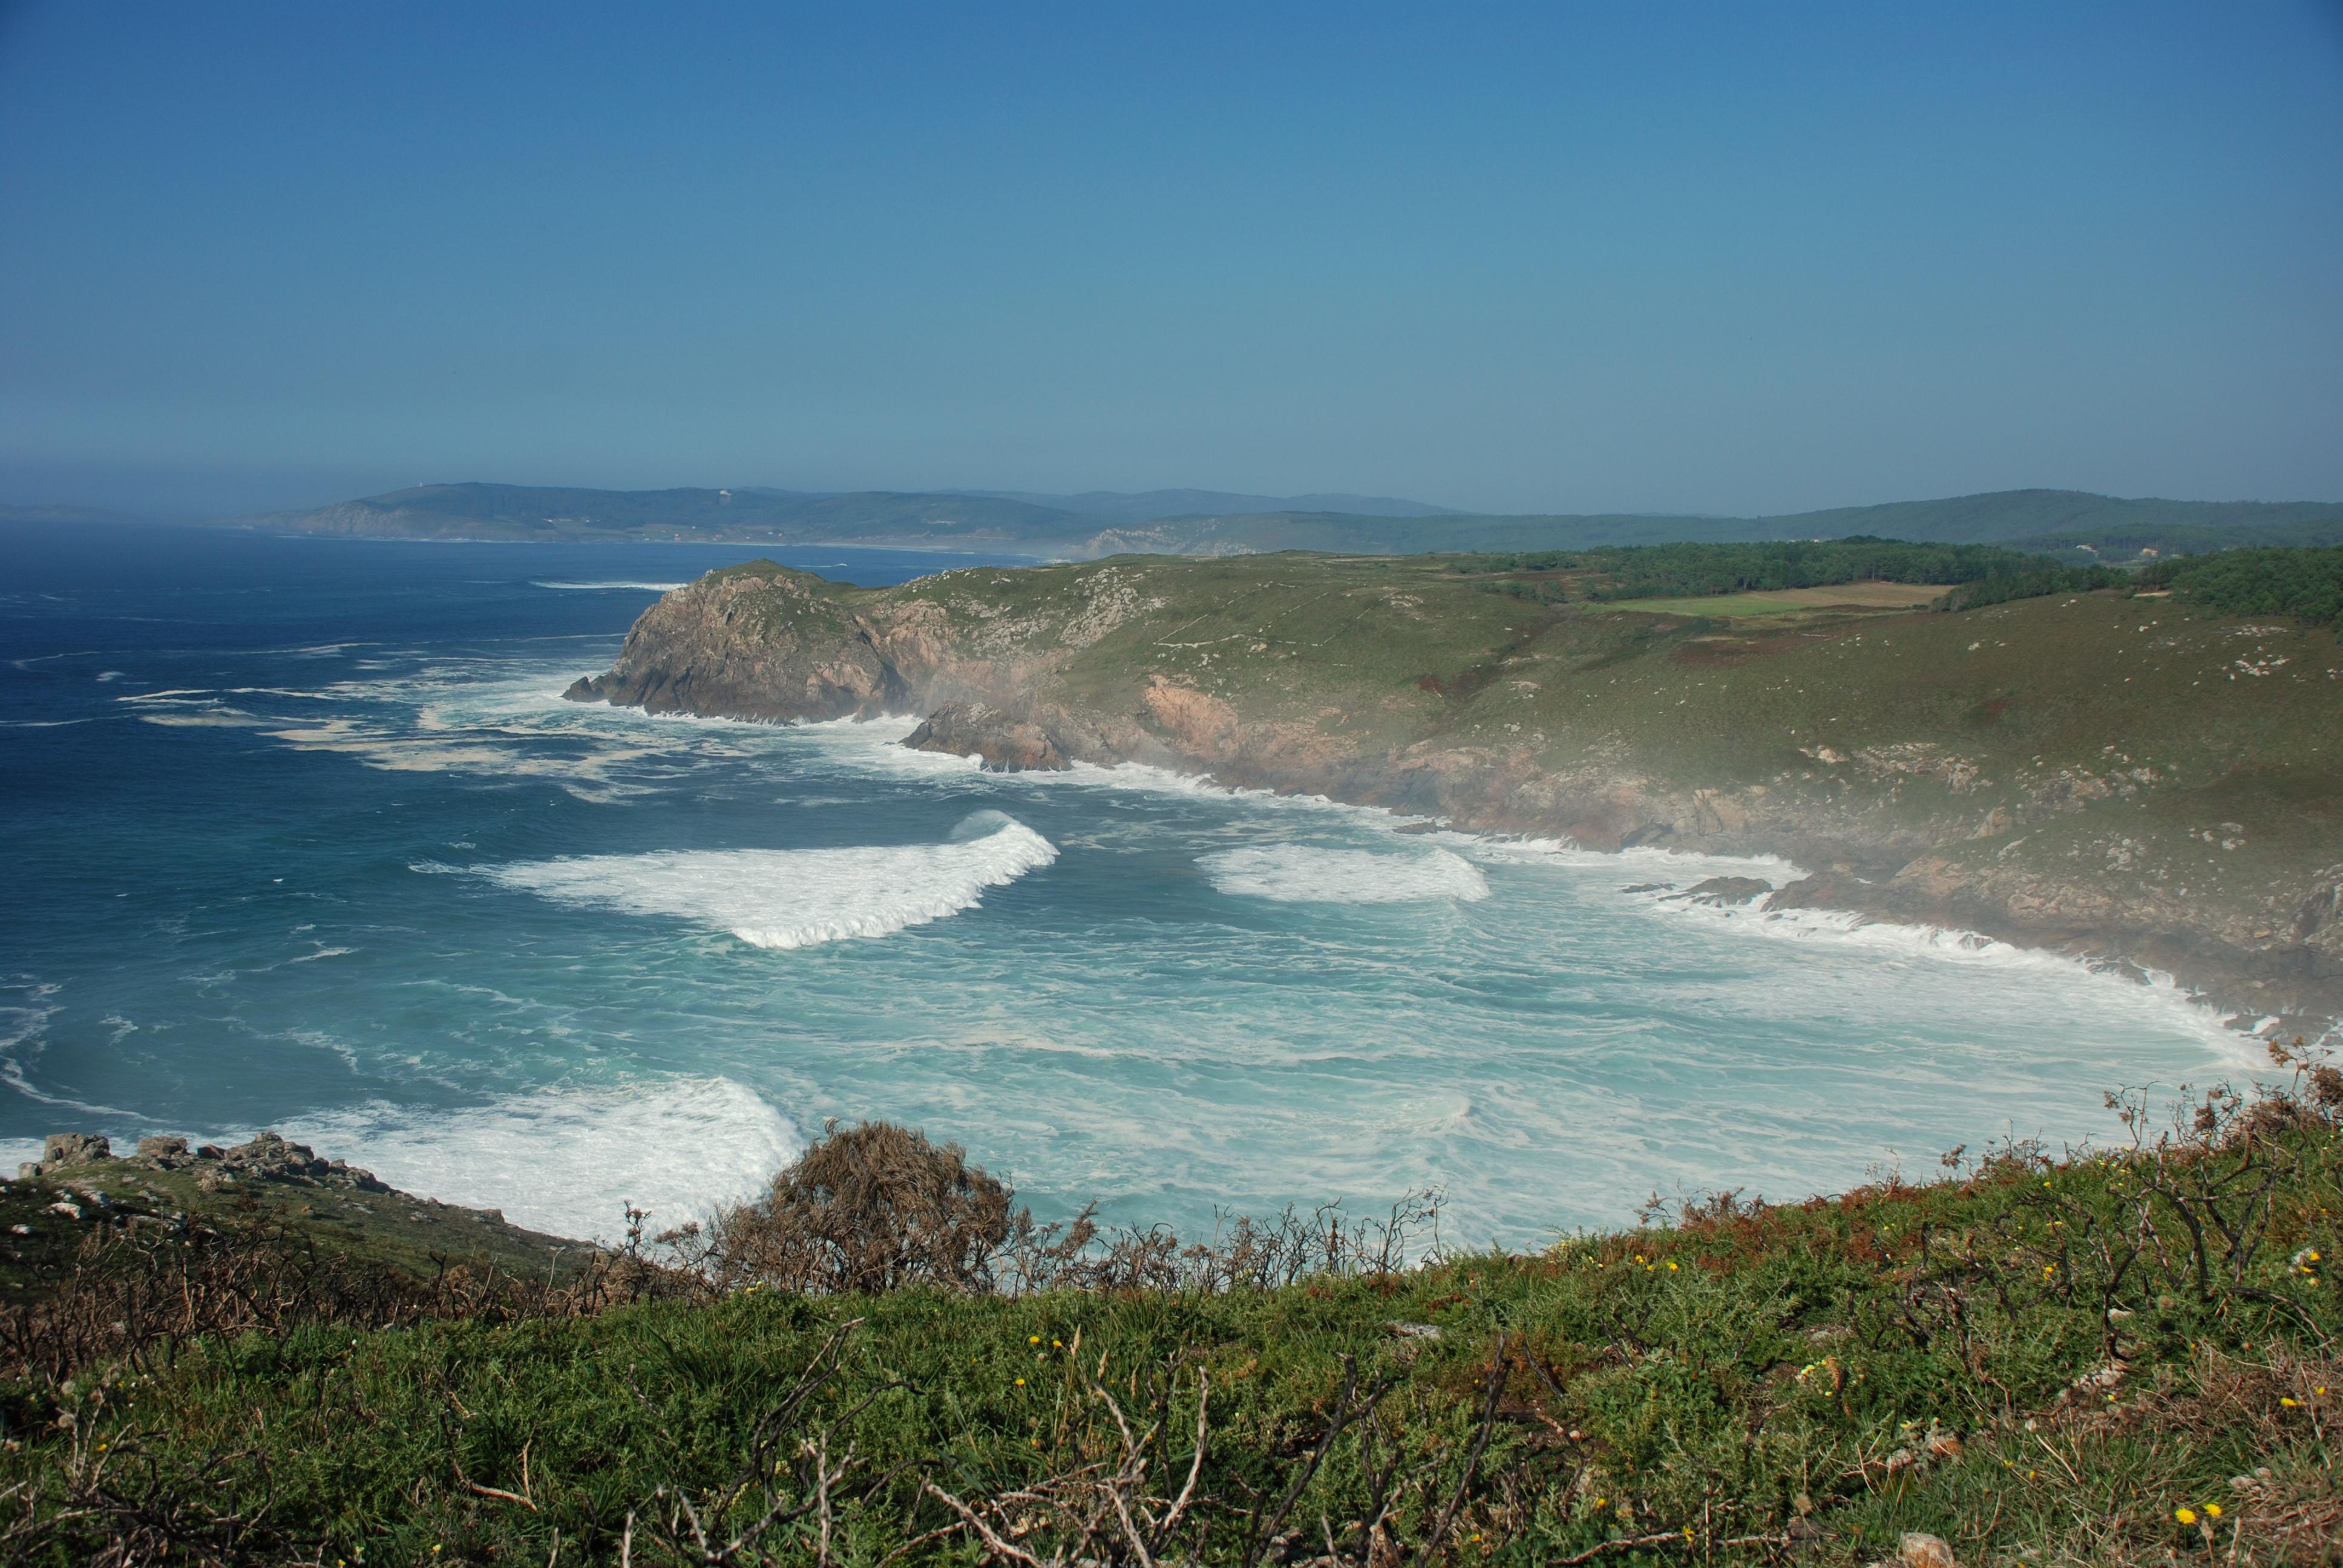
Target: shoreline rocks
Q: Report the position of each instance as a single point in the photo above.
(1003, 743)
(267, 1157)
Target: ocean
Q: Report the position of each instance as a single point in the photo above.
(300, 835)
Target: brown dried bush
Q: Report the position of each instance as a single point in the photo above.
(876, 1207)
(872, 1207)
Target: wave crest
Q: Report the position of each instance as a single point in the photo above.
(796, 898)
(565, 1161)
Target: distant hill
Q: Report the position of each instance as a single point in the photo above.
(2073, 524)
(527, 512)
(1140, 506)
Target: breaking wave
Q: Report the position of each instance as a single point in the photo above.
(797, 898)
(591, 588)
(1299, 874)
(568, 1161)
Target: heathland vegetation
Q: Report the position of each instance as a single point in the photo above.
(2119, 1356)
(1693, 570)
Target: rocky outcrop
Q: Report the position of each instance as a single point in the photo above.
(759, 642)
(1726, 892)
(267, 1157)
(1005, 744)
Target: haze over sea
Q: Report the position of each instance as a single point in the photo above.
(301, 835)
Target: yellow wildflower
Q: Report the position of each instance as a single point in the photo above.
(2186, 1515)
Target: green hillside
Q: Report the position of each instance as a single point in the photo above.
(2111, 1360)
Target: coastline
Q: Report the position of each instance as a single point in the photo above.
(1044, 668)
(1793, 891)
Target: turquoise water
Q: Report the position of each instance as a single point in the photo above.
(300, 835)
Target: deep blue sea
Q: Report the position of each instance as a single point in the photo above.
(299, 834)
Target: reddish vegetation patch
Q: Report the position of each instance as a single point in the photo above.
(1707, 653)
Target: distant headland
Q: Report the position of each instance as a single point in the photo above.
(2077, 525)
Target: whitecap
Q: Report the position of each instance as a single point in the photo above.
(590, 587)
(566, 1161)
(796, 898)
(1301, 873)
(2157, 996)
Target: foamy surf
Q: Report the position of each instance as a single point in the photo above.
(568, 1162)
(797, 898)
(1301, 873)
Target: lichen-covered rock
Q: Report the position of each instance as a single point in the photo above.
(63, 1151)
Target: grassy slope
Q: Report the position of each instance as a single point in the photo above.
(1740, 1377)
(2140, 696)
(392, 1229)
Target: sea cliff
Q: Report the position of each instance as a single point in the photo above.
(2097, 774)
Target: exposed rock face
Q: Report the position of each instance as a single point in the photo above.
(1006, 745)
(267, 1158)
(1727, 891)
(63, 1150)
(764, 642)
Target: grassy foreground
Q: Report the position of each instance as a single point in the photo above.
(2119, 1358)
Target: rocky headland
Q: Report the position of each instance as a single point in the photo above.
(2095, 774)
(81, 1185)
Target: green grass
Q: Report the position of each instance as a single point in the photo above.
(1993, 1359)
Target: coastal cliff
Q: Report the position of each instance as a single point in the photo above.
(2097, 774)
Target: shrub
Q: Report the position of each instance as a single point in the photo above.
(2305, 583)
(873, 1207)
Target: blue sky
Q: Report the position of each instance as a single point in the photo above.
(1727, 258)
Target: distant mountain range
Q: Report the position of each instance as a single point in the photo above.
(2073, 524)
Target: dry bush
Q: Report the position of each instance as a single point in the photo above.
(874, 1207)
(1243, 1253)
(877, 1206)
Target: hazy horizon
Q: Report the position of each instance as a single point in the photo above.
(1690, 259)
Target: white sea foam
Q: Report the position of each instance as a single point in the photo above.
(797, 898)
(566, 1161)
(1302, 874)
(2155, 994)
(590, 587)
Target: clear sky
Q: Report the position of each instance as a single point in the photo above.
(1734, 257)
